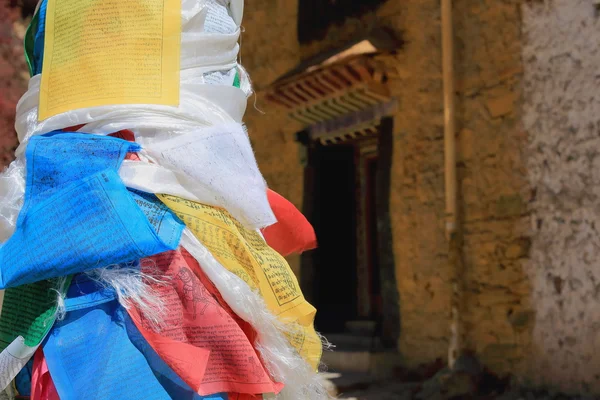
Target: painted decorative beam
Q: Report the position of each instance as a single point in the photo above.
(326, 96)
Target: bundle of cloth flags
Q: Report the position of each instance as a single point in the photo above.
(143, 254)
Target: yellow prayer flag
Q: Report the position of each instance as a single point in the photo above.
(110, 52)
(245, 253)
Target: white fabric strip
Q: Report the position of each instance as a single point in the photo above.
(283, 361)
(13, 359)
(218, 162)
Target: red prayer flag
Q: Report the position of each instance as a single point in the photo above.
(292, 233)
(199, 320)
(42, 386)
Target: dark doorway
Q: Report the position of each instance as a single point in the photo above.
(334, 284)
(350, 278)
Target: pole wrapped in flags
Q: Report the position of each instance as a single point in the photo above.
(142, 253)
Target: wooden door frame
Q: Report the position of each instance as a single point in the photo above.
(388, 328)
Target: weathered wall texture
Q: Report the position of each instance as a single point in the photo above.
(493, 189)
(417, 192)
(562, 115)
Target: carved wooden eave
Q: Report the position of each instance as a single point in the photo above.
(341, 99)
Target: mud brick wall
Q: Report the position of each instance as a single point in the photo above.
(494, 191)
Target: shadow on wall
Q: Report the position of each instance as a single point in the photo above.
(316, 16)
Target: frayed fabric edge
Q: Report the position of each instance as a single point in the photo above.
(281, 359)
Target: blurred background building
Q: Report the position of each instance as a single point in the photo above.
(348, 123)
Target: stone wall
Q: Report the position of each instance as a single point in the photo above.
(562, 115)
(417, 193)
(493, 189)
(494, 192)
(417, 186)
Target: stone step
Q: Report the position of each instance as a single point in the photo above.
(355, 361)
(361, 327)
(351, 342)
(350, 381)
(379, 365)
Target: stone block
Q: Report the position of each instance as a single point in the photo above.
(510, 206)
(522, 320)
(500, 358)
(518, 249)
(495, 297)
(466, 146)
(501, 106)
